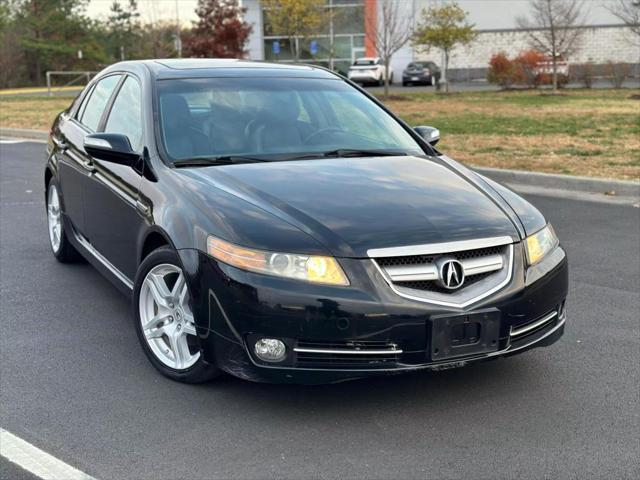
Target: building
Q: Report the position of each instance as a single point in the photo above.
(348, 32)
(604, 38)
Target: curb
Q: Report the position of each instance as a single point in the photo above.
(24, 133)
(563, 182)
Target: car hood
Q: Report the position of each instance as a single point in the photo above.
(351, 205)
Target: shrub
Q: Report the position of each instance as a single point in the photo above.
(526, 68)
(502, 70)
(617, 73)
(586, 74)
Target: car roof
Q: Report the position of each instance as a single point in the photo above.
(223, 67)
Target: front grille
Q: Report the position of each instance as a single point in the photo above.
(351, 354)
(433, 286)
(427, 259)
(420, 272)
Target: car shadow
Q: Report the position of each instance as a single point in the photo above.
(481, 382)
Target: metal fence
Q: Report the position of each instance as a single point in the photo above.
(77, 77)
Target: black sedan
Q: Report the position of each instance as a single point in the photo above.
(421, 73)
(278, 223)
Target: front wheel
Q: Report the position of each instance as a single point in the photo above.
(164, 321)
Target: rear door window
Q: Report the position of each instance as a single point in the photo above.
(91, 112)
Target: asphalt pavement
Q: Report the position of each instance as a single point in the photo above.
(75, 383)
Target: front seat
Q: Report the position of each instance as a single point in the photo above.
(277, 126)
(181, 138)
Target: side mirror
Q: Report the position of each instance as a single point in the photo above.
(430, 134)
(111, 147)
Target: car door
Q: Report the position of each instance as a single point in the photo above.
(113, 220)
(74, 166)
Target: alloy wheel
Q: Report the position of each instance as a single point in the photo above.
(166, 318)
(54, 219)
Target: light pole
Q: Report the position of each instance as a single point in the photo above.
(178, 39)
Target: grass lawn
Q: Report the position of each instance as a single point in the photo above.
(580, 132)
(36, 113)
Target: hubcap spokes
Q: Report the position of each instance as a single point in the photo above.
(166, 317)
(53, 218)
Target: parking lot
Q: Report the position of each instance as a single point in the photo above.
(75, 383)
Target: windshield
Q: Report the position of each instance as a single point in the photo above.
(215, 117)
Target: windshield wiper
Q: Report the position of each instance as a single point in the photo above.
(354, 152)
(233, 159)
(221, 160)
(345, 153)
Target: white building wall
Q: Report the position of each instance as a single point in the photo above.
(599, 44)
(405, 55)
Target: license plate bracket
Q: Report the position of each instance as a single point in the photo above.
(463, 335)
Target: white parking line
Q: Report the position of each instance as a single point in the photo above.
(36, 461)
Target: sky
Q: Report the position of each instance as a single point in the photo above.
(485, 14)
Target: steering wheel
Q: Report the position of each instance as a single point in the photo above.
(321, 131)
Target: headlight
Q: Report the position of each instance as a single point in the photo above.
(310, 268)
(540, 244)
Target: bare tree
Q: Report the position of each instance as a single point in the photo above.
(553, 29)
(389, 33)
(629, 12)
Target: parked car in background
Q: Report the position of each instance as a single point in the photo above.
(368, 70)
(421, 73)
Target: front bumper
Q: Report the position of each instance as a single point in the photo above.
(233, 308)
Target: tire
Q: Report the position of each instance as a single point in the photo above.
(58, 240)
(404, 84)
(161, 302)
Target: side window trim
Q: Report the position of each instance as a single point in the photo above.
(83, 103)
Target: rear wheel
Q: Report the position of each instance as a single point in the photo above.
(164, 321)
(60, 244)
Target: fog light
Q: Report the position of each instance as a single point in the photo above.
(270, 349)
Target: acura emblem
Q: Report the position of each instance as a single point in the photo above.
(451, 273)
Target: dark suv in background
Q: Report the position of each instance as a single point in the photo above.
(421, 73)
